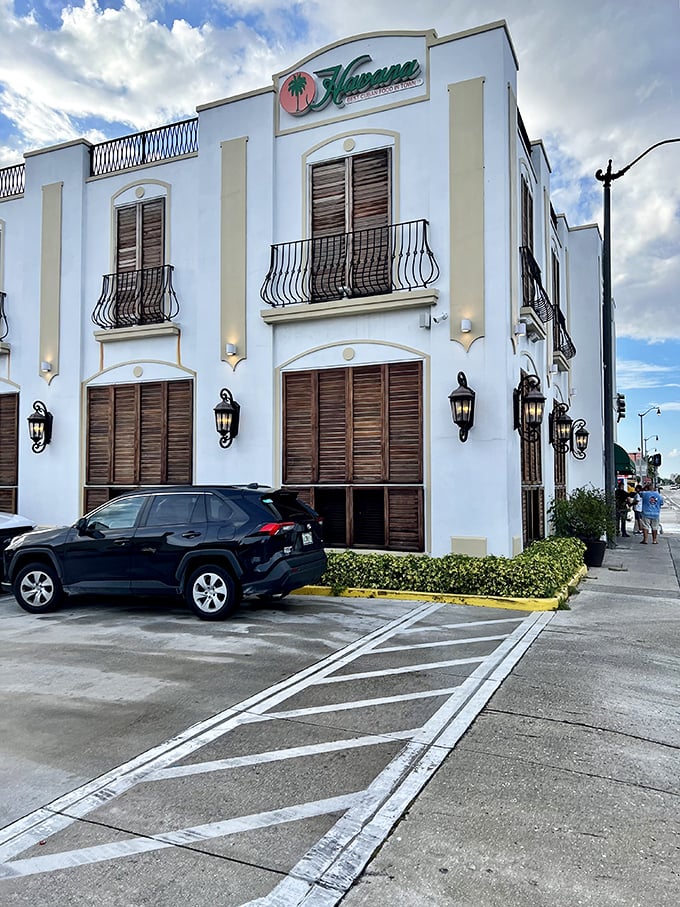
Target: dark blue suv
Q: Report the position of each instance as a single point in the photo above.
(212, 544)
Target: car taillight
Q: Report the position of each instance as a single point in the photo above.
(275, 528)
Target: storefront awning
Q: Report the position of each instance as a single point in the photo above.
(624, 464)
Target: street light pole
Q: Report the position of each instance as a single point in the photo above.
(643, 453)
(606, 178)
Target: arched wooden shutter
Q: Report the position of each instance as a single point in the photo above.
(9, 447)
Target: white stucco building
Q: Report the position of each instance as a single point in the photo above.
(334, 249)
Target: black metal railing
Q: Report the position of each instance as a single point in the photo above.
(4, 326)
(362, 263)
(131, 298)
(148, 147)
(533, 294)
(562, 342)
(12, 180)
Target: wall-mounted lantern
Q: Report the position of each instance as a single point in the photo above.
(579, 439)
(528, 406)
(227, 414)
(40, 426)
(560, 427)
(462, 401)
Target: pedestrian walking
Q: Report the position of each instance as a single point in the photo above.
(652, 502)
(637, 510)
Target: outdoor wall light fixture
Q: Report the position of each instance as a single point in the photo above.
(465, 325)
(579, 439)
(227, 415)
(560, 423)
(40, 426)
(462, 402)
(528, 406)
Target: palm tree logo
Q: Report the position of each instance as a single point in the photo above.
(297, 93)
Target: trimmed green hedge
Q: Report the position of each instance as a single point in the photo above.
(539, 572)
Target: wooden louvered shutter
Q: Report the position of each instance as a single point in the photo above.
(125, 434)
(152, 214)
(9, 451)
(329, 230)
(405, 422)
(152, 434)
(333, 429)
(368, 438)
(300, 432)
(126, 239)
(99, 434)
(179, 432)
(370, 223)
(405, 519)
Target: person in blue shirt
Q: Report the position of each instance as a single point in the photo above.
(652, 502)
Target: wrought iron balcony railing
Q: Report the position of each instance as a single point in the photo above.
(145, 147)
(533, 294)
(131, 298)
(4, 326)
(562, 342)
(12, 180)
(362, 263)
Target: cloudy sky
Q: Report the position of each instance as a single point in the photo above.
(598, 79)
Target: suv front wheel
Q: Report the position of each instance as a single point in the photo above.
(211, 593)
(37, 588)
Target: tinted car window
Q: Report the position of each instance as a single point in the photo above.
(175, 509)
(119, 514)
(223, 511)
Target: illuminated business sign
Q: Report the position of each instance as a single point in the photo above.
(342, 85)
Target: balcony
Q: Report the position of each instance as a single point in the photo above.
(12, 180)
(134, 298)
(563, 345)
(142, 148)
(4, 326)
(363, 263)
(535, 301)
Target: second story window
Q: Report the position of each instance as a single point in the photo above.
(350, 220)
(140, 235)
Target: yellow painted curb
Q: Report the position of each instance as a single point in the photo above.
(482, 601)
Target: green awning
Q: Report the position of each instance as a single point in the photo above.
(624, 464)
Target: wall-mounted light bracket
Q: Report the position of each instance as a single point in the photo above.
(560, 424)
(227, 416)
(579, 439)
(528, 406)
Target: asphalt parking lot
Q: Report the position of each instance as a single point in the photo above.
(159, 759)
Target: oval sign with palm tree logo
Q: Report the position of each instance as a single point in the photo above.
(297, 93)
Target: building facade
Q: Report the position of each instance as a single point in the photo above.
(338, 251)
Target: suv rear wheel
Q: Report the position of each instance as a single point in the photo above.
(37, 588)
(211, 592)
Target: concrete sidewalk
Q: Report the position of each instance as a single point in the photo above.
(566, 789)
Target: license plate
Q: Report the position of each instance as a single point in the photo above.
(307, 538)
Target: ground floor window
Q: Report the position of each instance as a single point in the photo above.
(138, 434)
(9, 451)
(353, 449)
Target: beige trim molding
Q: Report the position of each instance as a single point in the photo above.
(514, 214)
(138, 332)
(466, 207)
(390, 302)
(50, 279)
(233, 239)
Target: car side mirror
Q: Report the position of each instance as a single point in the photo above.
(81, 526)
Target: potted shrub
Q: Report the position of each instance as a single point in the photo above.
(586, 514)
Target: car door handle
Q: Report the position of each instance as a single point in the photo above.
(120, 542)
(148, 550)
(190, 535)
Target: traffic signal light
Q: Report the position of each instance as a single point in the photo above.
(620, 407)
(656, 460)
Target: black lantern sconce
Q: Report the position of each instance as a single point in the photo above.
(579, 439)
(40, 426)
(227, 414)
(566, 433)
(528, 406)
(560, 427)
(462, 402)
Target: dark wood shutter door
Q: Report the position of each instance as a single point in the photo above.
(368, 425)
(405, 421)
(9, 439)
(152, 442)
(99, 435)
(405, 519)
(300, 431)
(370, 196)
(329, 198)
(125, 435)
(180, 432)
(333, 430)
(126, 239)
(152, 214)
